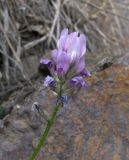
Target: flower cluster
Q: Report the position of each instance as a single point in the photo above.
(67, 64)
(68, 69)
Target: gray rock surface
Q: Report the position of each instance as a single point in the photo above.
(94, 127)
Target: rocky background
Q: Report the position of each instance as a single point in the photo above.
(96, 125)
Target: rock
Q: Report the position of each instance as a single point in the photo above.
(1, 124)
(50, 139)
(20, 125)
(35, 122)
(1, 154)
(57, 148)
(105, 63)
(8, 146)
(35, 142)
(78, 140)
(22, 110)
(94, 127)
(31, 64)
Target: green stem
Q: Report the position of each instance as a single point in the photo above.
(49, 125)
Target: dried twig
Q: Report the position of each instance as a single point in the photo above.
(19, 34)
(57, 14)
(34, 43)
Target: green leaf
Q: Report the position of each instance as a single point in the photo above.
(2, 112)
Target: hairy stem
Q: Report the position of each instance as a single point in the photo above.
(49, 126)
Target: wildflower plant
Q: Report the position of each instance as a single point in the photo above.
(68, 70)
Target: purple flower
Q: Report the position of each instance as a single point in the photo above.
(74, 45)
(69, 57)
(62, 62)
(63, 99)
(46, 62)
(67, 65)
(49, 82)
(70, 51)
(78, 82)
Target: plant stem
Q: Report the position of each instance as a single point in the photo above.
(44, 136)
(49, 125)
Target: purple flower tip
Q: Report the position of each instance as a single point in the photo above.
(49, 81)
(49, 64)
(85, 72)
(63, 99)
(78, 82)
(45, 61)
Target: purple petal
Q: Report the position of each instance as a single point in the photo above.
(78, 82)
(49, 64)
(49, 81)
(85, 72)
(62, 63)
(77, 48)
(63, 99)
(63, 37)
(54, 54)
(45, 61)
(74, 50)
(70, 40)
(80, 64)
(64, 32)
(83, 44)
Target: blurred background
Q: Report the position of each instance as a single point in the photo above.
(30, 29)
